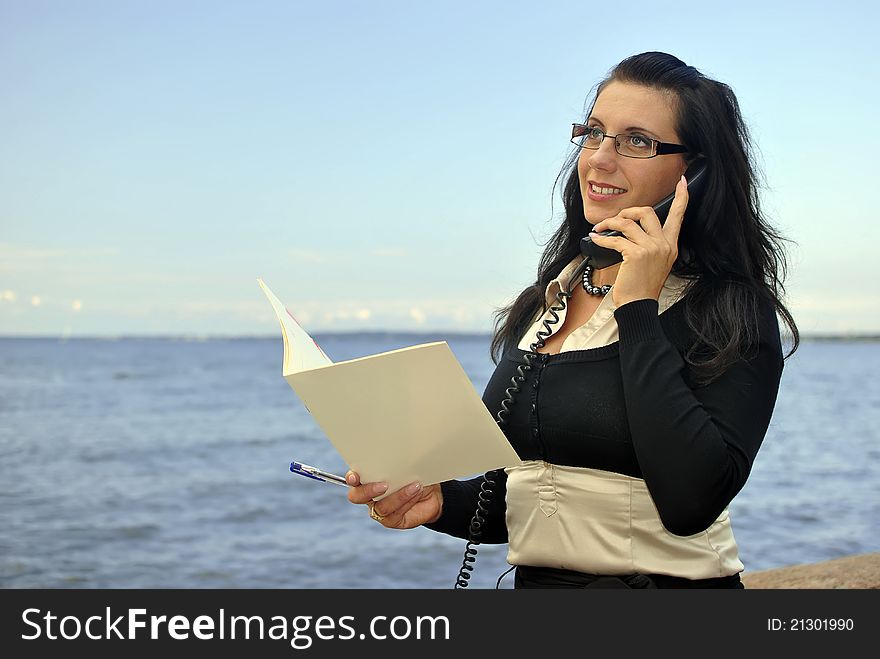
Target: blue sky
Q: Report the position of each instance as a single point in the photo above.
(382, 164)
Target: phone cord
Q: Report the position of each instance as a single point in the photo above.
(486, 486)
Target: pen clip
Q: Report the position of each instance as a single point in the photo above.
(305, 470)
(317, 474)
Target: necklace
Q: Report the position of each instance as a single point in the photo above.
(588, 283)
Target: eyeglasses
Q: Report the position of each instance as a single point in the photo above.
(631, 145)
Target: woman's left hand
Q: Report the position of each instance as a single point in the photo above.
(649, 249)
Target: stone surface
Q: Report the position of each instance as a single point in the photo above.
(861, 571)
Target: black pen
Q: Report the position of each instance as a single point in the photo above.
(316, 474)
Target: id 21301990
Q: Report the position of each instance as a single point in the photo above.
(809, 624)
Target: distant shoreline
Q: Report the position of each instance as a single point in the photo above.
(841, 337)
(437, 335)
(421, 335)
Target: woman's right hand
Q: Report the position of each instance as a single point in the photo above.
(407, 508)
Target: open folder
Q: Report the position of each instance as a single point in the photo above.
(400, 416)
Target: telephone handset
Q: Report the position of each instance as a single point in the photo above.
(603, 257)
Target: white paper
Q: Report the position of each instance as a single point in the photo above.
(301, 352)
(401, 416)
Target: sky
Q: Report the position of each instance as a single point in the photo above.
(387, 164)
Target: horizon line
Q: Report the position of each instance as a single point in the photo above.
(817, 336)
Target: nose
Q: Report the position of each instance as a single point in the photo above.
(605, 157)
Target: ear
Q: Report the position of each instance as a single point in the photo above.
(685, 163)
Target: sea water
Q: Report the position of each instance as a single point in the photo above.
(154, 463)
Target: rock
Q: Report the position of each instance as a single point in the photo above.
(862, 571)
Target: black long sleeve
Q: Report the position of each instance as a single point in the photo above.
(459, 503)
(695, 447)
(630, 408)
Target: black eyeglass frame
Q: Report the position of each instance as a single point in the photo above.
(660, 148)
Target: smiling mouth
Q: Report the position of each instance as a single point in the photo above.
(605, 191)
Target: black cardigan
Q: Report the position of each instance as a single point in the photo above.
(631, 407)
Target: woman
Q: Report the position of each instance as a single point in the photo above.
(640, 416)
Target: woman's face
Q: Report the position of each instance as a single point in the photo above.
(628, 108)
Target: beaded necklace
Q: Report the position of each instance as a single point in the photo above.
(588, 283)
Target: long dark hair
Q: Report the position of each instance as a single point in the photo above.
(731, 256)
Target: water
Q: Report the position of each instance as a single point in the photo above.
(144, 463)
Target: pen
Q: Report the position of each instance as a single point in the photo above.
(313, 472)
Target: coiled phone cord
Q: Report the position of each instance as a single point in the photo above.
(486, 487)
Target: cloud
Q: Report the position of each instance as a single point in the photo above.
(18, 258)
(314, 256)
(338, 256)
(390, 252)
(341, 313)
(841, 312)
(461, 315)
(395, 313)
(839, 302)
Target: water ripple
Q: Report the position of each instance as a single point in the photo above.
(164, 464)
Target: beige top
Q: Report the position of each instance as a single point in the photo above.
(596, 521)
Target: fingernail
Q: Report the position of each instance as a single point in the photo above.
(684, 180)
(349, 478)
(380, 488)
(412, 489)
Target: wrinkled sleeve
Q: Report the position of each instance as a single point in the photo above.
(460, 501)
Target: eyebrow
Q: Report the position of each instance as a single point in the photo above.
(626, 130)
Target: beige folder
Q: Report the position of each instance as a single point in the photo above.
(400, 416)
